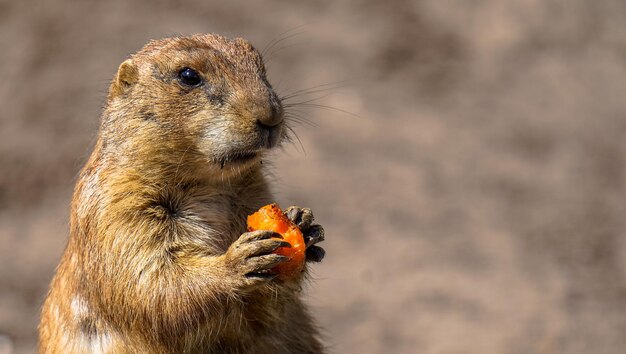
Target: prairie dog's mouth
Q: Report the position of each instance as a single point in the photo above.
(237, 158)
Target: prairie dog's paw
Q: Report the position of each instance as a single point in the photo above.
(313, 233)
(250, 258)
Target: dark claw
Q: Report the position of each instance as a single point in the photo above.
(260, 235)
(263, 247)
(315, 254)
(267, 276)
(314, 235)
(302, 217)
(284, 244)
(292, 214)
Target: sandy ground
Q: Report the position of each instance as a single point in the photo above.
(473, 196)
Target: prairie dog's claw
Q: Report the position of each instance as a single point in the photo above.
(312, 233)
(250, 258)
(315, 254)
(302, 217)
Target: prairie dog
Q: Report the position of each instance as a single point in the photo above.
(158, 259)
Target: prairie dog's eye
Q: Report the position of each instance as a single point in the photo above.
(189, 77)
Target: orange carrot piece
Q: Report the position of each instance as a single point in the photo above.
(271, 217)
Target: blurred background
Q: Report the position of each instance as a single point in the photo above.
(473, 195)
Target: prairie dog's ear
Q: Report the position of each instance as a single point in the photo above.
(127, 75)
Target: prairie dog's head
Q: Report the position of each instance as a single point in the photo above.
(206, 94)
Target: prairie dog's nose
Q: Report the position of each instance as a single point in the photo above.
(269, 114)
(269, 117)
(264, 125)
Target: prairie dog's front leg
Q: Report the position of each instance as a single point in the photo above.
(185, 287)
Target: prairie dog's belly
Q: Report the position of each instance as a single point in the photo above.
(76, 329)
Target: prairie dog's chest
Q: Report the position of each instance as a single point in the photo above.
(215, 220)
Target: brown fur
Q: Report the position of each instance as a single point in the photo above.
(153, 263)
